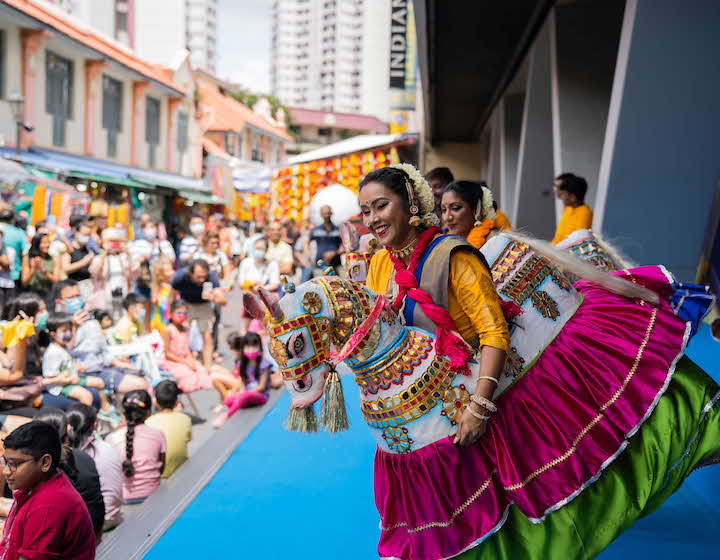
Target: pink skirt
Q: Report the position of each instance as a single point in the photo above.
(561, 423)
(188, 380)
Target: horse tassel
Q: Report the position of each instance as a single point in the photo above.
(333, 414)
(302, 420)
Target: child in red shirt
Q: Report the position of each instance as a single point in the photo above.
(48, 518)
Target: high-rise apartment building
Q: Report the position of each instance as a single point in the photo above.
(155, 29)
(321, 57)
(201, 33)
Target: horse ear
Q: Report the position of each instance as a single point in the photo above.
(271, 302)
(253, 306)
(350, 237)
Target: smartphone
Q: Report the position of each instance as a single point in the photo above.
(206, 289)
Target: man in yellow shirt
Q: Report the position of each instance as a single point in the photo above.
(571, 190)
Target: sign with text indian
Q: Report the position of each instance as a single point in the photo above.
(403, 55)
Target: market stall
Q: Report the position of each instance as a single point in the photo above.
(345, 163)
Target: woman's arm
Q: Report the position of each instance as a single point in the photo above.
(27, 270)
(68, 267)
(54, 276)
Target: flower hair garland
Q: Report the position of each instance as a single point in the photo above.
(423, 194)
(485, 209)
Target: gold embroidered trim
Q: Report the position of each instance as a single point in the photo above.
(583, 433)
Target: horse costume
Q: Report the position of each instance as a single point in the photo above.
(590, 373)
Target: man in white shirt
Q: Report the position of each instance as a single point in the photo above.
(278, 250)
(190, 243)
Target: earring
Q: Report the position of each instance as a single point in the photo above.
(414, 219)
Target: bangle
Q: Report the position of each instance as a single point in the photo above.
(477, 414)
(482, 401)
(493, 379)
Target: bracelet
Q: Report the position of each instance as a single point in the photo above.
(477, 414)
(494, 379)
(482, 401)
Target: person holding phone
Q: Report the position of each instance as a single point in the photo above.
(113, 273)
(200, 288)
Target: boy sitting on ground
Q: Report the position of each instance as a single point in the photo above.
(49, 518)
(175, 425)
(59, 366)
(130, 325)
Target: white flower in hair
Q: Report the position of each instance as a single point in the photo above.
(423, 194)
(485, 209)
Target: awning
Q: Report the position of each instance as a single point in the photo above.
(350, 146)
(11, 172)
(102, 170)
(201, 197)
(251, 176)
(106, 179)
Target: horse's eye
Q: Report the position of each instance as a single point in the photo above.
(296, 345)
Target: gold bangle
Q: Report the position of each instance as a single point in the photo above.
(485, 403)
(477, 414)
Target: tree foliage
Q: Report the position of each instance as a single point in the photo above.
(248, 98)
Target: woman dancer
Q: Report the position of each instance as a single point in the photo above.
(596, 432)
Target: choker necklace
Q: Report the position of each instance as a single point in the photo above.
(405, 251)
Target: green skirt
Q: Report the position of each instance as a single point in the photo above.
(683, 430)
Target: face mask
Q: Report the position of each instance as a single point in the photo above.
(197, 229)
(41, 321)
(66, 337)
(259, 254)
(82, 239)
(251, 354)
(179, 318)
(140, 313)
(150, 233)
(73, 305)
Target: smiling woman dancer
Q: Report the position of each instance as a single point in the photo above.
(555, 473)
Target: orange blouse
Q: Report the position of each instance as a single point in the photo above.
(473, 302)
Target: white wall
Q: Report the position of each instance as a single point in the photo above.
(160, 27)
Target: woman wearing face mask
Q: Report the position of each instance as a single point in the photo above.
(39, 270)
(76, 262)
(113, 273)
(257, 272)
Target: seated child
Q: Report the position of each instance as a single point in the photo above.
(61, 371)
(226, 382)
(105, 320)
(141, 447)
(130, 325)
(253, 374)
(175, 425)
(179, 360)
(32, 455)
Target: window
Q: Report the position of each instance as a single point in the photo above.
(112, 112)
(182, 132)
(58, 93)
(324, 132)
(152, 127)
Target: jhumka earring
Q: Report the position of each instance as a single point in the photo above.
(414, 210)
(478, 212)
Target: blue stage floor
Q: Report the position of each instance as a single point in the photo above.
(300, 496)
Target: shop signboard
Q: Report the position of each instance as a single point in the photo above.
(403, 55)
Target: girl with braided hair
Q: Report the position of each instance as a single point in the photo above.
(141, 447)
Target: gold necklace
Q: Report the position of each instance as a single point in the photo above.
(405, 251)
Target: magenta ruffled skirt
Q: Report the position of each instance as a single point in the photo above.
(563, 422)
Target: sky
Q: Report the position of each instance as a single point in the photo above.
(244, 34)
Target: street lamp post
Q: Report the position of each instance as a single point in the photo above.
(17, 101)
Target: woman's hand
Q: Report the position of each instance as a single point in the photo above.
(470, 428)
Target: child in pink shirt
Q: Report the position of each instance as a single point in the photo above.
(141, 447)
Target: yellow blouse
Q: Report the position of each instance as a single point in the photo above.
(472, 300)
(501, 220)
(571, 220)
